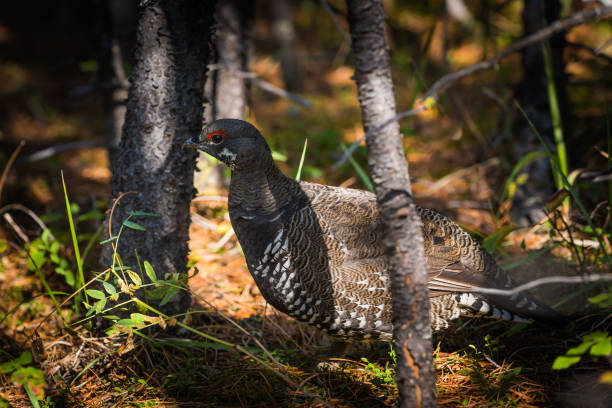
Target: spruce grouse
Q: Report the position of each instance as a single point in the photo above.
(316, 252)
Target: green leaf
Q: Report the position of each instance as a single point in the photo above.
(563, 362)
(278, 156)
(96, 294)
(149, 271)
(110, 289)
(134, 277)
(143, 214)
(169, 294)
(46, 234)
(129, 323)
(24, 358)
(133, 225)
(579, 349)
(595, 336)
(91, 215)
(99, 305)
(602, 300)
(602, 348)
(139, 317)
(109, 240)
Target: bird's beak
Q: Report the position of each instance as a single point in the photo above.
(190, 144)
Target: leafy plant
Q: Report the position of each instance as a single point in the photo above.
(45, 249)
(381, 375)
(598, 344)
(30, 378)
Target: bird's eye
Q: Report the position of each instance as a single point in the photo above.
(216, 137)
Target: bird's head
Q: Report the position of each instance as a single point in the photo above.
(234, 142)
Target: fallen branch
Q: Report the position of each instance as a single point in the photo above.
(265, 85)
(542, 281)
(53, 150)
(582, 17)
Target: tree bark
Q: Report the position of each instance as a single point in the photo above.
(110, 76)
(164, 109)
(284, 31)
(226, 91)
(389, 169)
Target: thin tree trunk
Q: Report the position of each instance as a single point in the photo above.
(110, 76)
(389, 169)
(532, 95)
(284, 31)
(226, 91)
(164, 109)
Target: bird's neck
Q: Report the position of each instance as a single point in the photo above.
(262, 188)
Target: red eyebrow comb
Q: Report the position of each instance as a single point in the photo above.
(215, 132)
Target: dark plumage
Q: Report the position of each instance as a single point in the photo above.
(316, 252)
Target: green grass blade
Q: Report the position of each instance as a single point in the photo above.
(298, 176)
(33, 398)
(567, 185)
(525, 160)
(75, 244)
(46, 285)
(609, 136)
(362, 174)
(555, 115)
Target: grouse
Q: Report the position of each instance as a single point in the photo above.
(316, 252)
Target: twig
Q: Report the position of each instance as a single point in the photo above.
(203, 222)
(53, 150)
(334, 18)
(16, 228)
(31, 213)
(582, 17)
(370, 132)
(593, 51)
(210, 198)
(7, 168)
(226, 237)
(542, 281)
(263, 84)
(273, 89)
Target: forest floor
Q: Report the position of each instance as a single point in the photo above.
(478, 362)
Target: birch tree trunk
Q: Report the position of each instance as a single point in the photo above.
(389, 171)
(164, 109)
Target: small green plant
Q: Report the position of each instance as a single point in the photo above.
(597, 344)
(30, 378)
(603, 300)
(45, 250)
(381, 375)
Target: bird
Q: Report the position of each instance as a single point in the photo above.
(316, 252)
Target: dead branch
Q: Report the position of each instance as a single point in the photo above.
(543, 281)
(265, 85)
(582, 17)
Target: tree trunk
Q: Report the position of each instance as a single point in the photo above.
(226, 90)
(111, 77)
(164, 109)
(532, 95)
(284, 31)
(389, 169)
